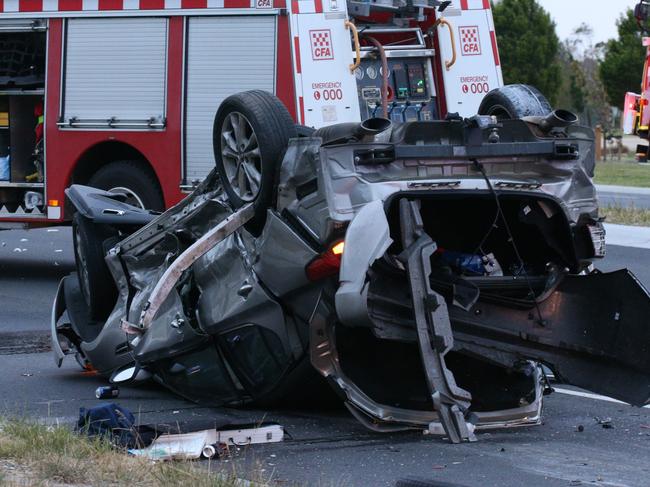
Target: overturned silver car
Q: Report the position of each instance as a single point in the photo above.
(422, 272)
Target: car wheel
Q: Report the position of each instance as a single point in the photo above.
(515, 101)
(250, 135)
(131, 178)
(95, 280)
(304, 131)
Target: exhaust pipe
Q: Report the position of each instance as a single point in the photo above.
(366, 131)
(556, 119)
(374, 126)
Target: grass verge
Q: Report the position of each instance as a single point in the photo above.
(33, 454)
(626, 216)
(623, 174)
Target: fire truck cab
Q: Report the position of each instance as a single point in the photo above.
(121, 94)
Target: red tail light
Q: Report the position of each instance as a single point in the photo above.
(326, 264)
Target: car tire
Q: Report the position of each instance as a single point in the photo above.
(250, 135)
(132, 178)
(515, 101)
(304, 131)
(95, 280)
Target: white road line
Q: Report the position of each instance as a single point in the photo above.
(622, 190)
(628, 236)
(590, 395)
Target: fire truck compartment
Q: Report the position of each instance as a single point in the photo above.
(22, 60)
(410, 88)
(118, 84)
(222, 58)
(21, 170)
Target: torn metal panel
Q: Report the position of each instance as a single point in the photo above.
(435, 338)
(595, 334)
(169, 279)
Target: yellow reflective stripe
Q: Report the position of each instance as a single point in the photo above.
(41, 119)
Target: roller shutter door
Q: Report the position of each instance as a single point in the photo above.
(115, 68)
(225, 55)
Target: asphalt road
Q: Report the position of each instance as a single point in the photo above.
(326, 447)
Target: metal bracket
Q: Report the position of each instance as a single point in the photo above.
(434, 332)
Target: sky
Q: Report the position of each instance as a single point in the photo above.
(601, 15)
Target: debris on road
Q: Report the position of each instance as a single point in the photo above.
(211, 443)
(604, 422)
(107, 392)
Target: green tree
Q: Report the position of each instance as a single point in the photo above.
(622, 66)
(528, 45)
(582, 90)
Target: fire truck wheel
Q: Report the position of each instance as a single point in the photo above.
(95, 279)
(129, 177)
(515, 101)
(250, 135)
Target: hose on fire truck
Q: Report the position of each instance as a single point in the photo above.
(384, 73)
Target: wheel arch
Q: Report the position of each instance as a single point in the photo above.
(102, 153)
(99, 155)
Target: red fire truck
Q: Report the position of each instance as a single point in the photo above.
(636, 114)
(121, 94)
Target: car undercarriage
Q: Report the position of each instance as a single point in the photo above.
(420, 273)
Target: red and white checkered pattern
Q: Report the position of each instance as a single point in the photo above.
(470, 44)
(469, 34)
(320, 38)
(321, 44)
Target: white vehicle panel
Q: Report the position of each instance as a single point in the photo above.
(326, 88)
(477, 68)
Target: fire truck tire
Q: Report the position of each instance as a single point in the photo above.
(130, 177)
(250, 135)
(95, 279)
(515, 101)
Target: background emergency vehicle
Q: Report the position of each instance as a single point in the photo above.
(636, 115)
(121, 94)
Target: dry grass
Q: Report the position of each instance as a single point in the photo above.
(626, 216)
(36, 455)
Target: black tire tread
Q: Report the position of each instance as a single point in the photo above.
(518, 100)
(273, 127)
(102, 290)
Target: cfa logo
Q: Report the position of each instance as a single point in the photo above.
(321, 44)
(263, 4)
(470, 44)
